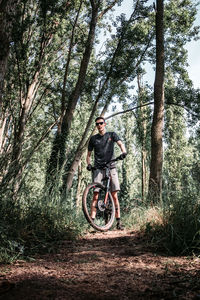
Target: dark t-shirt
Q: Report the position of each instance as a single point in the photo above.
(103, 146)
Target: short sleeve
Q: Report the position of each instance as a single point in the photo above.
(115, 137)
(90, 145)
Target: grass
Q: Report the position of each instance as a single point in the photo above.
(29, 227)
(142, 217)
(37, 227)
(174, 225)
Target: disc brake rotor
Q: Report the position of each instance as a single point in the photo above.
(101, 205)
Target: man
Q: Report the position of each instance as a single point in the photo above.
(103, 146)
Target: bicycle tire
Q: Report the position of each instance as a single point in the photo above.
(86, 203)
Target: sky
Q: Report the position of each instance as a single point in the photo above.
(192, 47)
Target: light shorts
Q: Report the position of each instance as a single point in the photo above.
(99, 174)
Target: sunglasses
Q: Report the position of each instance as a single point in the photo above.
(99, 123)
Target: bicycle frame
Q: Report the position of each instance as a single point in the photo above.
(107, 177)
(104, 203)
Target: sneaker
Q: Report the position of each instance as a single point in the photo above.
(120, 226)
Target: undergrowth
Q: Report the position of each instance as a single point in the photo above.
(182, 222)
(35, 227)
(38, 225)
(173, 225)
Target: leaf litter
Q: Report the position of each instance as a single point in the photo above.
(101, 266)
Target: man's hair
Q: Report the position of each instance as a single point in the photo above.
(100, 118)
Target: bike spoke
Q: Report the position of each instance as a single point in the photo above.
(104, 212)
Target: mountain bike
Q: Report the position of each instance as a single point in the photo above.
(105, 207)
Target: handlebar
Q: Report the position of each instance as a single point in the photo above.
(108, 163)
(113, 160)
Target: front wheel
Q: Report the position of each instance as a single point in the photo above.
(105, 214)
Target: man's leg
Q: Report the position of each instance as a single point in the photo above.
(97, 177)
(94, 204)
(115, 187)
(117, 210)
(117, 206)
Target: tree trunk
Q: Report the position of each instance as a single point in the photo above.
(7, 13)
(84, 141)
(57, 157)
(79, 190)
(71, 44)
(15, 167)
(58, 150)
(144, 173)
(155, 180)
(67, 180)
(83, 144)
(143, 134)
(5, 38)
(2, 130)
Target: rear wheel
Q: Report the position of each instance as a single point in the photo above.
(105, 214)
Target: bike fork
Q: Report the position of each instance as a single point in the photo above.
(107, 189)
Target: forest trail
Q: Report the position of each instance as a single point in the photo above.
(113, 265)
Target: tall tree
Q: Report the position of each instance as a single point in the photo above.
(57, 158)
(155, 179)
(7, 15)
(143, 121)
(32, 34)
(122, 57)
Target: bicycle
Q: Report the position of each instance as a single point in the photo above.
(105, 207)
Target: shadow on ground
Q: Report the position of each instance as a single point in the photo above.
(103, 266)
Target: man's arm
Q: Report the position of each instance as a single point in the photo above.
(88, 157)
(121, 145)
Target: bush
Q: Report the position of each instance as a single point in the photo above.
(35, 227)
(142, 217)
(174, 225)
(182, 222)
(177, 225)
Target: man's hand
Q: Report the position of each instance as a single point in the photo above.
(89, 167)
(123, 155)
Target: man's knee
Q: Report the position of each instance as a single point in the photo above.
(114, 194)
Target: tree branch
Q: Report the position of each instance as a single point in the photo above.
(182, 106)
(149, 103)
(42, 138)
(128, 110)
(107, 9)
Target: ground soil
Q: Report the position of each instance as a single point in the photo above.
(113, 265)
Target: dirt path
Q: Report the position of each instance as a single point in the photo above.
(112, 265)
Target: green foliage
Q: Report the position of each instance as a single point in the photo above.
(174, 226)
(35, 227)
(129, 173)
(35, 220)
(182, 224)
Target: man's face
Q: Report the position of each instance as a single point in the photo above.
(100, 124)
